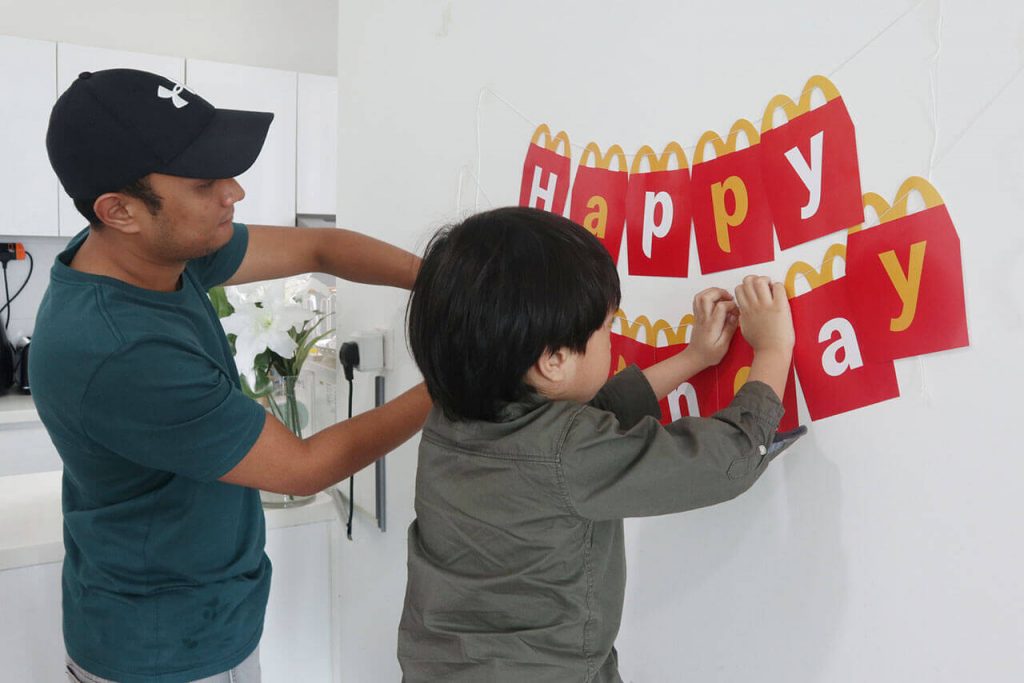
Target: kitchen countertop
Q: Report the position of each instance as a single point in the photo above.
(16, 408)
(31, 529)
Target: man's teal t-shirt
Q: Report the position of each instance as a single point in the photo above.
(165, 576)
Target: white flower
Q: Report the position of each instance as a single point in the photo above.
(262, 327)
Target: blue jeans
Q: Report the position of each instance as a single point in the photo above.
(246, 672)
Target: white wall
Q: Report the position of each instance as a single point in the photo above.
(300, 35)
(885, 546)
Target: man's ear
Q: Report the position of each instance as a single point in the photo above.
(117, 211)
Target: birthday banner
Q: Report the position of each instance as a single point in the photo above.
(796, 180)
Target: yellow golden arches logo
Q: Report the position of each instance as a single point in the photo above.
(659, 163)
(931, 197)
(723, 147)
(542, 138)
(605, 160)
(815, 278)
(673, 335)
(794, 109)
(875, 202)
(898, 209)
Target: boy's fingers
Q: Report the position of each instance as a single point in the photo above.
(731, 322)
(742, 299)
(719, 313)
(706, 300)
(716, 294)
(779, 292)
(762, 290)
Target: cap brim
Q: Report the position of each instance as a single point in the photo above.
(226, 148)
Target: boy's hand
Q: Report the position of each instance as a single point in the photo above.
(715, 319)
(765, 317)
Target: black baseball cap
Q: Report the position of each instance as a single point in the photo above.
(112, 127)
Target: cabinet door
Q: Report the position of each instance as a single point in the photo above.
(270, 183)
(73, 60)
(296, 644)
(31, 640)
(317, 153)
(28, 186)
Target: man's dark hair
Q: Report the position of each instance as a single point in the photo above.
(493, 294)
(140, 189)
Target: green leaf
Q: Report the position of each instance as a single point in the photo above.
(219, 299)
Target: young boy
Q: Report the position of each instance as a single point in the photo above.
(532, 457)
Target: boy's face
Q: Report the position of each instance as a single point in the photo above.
(591, 366)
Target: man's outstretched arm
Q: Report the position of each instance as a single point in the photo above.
(275, 252)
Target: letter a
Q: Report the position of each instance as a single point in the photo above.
(847, 343)
(656, 230)
(810, 174)
(545, 194)
(597, 220)
(907, 285)
(723, 219)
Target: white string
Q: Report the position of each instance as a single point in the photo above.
(689, 148)
(981, 112)
(463, 171)
(933, 86)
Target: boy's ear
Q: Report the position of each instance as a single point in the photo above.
(551, 370)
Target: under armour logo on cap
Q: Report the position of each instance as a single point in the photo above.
(173, 95)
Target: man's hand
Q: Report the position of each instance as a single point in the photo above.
(715, 319)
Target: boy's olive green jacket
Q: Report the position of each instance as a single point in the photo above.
(517, 567)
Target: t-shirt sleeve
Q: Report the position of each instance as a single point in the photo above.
(161, 404)
(213, 269)
(612, 472)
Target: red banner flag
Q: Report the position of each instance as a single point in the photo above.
(733, 371)
(908, 277)
(731, 215)
(658, 214)
(810, 167)
(599, 196)
(834, 375)
(545, 183)
(696, 397)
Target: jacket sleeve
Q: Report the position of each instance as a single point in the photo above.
(613, 470)
(628, 395)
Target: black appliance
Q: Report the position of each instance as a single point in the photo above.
(21, 361)
(6, 362)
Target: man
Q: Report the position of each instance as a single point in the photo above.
(165, 577)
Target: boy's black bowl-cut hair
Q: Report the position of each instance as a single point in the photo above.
(494, 293)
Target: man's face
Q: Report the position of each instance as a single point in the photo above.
(194, 219)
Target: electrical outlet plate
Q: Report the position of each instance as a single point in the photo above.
(371, 350)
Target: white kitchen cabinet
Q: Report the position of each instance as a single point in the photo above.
(298, 635)
(270, 183)
(28, 186)
(317, 145)
(73, 60)
(26, 447)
